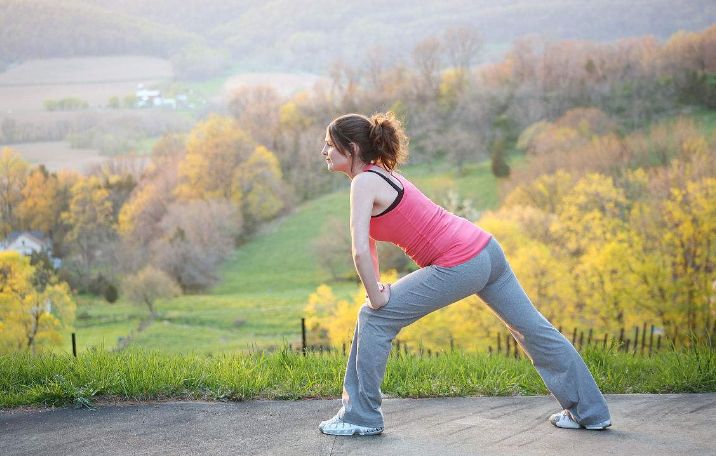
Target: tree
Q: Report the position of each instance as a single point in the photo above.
(39, 208)
(31, 316)
(259, 188)
(13, 173)
(498, 164)
(461, 45)
(214, 149)
(149, 285)
(196, 237)
(428, 59)
(91, 227)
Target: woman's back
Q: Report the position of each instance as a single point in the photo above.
(425, 231)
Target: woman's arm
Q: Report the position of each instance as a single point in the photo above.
(362, 197)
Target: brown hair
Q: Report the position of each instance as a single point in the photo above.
(379, 138)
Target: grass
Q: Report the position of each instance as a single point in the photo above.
(51, 379)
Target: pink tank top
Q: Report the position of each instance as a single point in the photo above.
(425, 231)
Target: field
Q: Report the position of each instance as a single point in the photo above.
(58, 155)
(93, 79)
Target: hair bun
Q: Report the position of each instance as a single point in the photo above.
(379, 138)
(388, 138)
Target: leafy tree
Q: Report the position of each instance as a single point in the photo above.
(40, 207)
(13, 174)
(91, 227)
(214, 150)
(149, 285)
(30, 317)
(259, 186)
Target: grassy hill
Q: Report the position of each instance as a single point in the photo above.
(265, 284)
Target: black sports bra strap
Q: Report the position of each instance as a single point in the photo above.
(392, 184)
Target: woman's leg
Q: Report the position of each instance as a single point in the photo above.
(412, 297)
(558, 363)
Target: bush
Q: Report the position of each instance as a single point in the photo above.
(111, 294)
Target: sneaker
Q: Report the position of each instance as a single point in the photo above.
(336, 426)
(564, 420)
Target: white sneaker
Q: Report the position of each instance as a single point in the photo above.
(336, 426)
(564, 420)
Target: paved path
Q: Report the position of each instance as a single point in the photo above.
(643, 424)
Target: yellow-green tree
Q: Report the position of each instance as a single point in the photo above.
(13, 173)
(39, 208)
(258, 186)
(214, 150)
(690, 238)
(31, 317)
(90, 222)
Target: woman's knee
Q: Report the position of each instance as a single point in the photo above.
(376, 321)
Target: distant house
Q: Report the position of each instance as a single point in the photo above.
(147, 98)
(26, 242)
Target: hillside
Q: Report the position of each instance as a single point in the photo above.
(43, 28)
(309, 35)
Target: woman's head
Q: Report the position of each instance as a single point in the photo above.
(379, 138)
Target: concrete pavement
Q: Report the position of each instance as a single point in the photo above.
(643, 424)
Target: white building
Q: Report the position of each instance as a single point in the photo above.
(26, 242)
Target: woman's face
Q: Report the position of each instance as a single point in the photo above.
(336, 161)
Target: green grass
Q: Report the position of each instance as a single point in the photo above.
(139, 374)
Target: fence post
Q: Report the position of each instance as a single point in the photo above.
(589, 337)
(574, 336)
(626, 349)
(636, 338)
(604, 344)
(344, 349)
(303, 336)
(621, 338)
(651, 339)
(74, 345)
(643, 338)
(507, 345)
(499, 343)
(581, 340)
(658, 342)
(452, 344)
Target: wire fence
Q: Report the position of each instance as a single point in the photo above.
(643, 340)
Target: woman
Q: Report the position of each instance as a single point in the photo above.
(456, 259)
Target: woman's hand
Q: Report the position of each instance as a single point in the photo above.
(384, 297)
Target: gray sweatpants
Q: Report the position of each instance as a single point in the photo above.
(490, 276)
